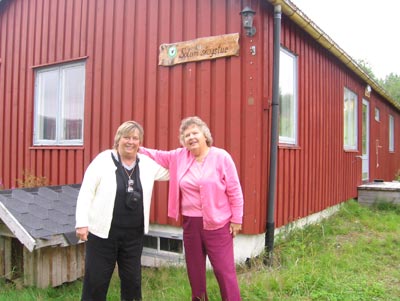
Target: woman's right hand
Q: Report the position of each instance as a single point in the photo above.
(82, 233)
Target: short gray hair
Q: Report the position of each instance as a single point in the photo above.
(125, 129)
(189, 121)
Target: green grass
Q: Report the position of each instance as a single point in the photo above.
(353, 255)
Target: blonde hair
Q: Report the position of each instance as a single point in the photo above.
(194, 120)
(125, 129)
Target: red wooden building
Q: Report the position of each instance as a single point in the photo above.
(72, 71)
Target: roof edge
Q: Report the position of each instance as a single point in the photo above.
(16, 228)
(297, 16)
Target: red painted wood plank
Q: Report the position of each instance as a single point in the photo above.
(68, 34)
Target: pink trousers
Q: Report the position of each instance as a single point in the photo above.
(218, 246)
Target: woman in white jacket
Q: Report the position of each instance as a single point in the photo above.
(112, 214)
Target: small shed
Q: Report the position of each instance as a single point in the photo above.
(37, 236)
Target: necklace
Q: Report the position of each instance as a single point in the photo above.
(129, 174)
(129, 187)
(130, 180)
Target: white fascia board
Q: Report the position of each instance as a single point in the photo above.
(16, 228)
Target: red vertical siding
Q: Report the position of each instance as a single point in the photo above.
(383, 164)
(123, 81)
(328, 174)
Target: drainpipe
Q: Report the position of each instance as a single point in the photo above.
(270, 227)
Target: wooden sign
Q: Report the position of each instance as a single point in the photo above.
(199, 49)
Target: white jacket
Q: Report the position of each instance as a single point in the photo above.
(95, 204)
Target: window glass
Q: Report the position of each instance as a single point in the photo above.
(59, 105)
(287, 98)
(365, 129)
(391, 133)
(46, 104)
(72, 104)
(377, 114)
(171, 245)
(150, 242)
(350, 120)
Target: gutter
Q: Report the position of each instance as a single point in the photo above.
(298, 17)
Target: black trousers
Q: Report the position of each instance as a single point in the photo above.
(122, 247)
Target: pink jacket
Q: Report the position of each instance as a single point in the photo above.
(222, 198)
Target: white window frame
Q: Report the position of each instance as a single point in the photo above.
(350, 120)
(391, 133)
(51, 100)
(288, 87)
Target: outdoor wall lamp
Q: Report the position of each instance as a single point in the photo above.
(247, 19)
(368, 90)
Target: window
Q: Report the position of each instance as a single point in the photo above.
(171, 245)
(350, 120)
(166, 244)
(377, 117)
(287, 98)
(391, 133)
(59, 104)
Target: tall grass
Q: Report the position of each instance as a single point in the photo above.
(353, 255)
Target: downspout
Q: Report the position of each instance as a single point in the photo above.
(270, 227)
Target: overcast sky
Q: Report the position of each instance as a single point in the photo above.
(365, 29)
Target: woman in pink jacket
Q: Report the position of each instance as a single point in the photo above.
(204, 187)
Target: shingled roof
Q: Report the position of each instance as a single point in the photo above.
(42, 216)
